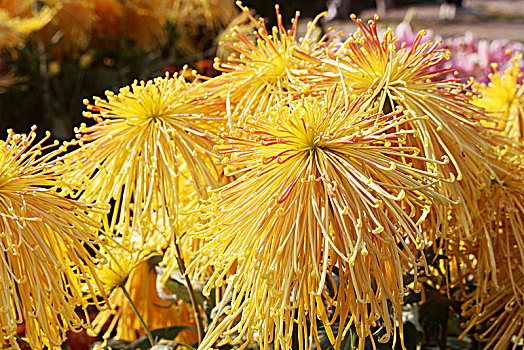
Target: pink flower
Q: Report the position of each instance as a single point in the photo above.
(470, 56)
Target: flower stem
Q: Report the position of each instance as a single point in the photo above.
(182, 267)
(149, 335)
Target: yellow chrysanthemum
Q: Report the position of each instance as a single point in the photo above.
(14, 28)
(125, 264)
(322, 189)
(497, 305)
(156, 312)
(257, 76)
(504, 99)
(447, 124)
(121, 260)
(144, 137)
(43, 237)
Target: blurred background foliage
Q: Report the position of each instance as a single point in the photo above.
(55, 53)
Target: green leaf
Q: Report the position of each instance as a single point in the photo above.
(169, 345)
(161, 333)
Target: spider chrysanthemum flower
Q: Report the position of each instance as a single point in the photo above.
(129, 266)
(450, 127)
(121, 259)
(258, 75)
(503, 98)
(156, 312)
(43, 237)
(496, 307)
(500, 312)
(143, 138)
(322, 189)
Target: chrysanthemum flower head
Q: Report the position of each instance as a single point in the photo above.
(322, 189)
(15, 26)
(258, 75)
(141, 284)
(43, 237)
(503, 98)
(473, 57)
(369, 60)
(130, 264)
(120, 260)
(449, 127)
(188, 212)
(496, 306)
(143, 137)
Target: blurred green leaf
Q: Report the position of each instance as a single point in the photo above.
(161, 333)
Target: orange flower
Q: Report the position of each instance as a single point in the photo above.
(74, 22)
(213, 14)
(109, 18)
(18, 8)
(197, 22)
(144, 22)
(156, 312)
